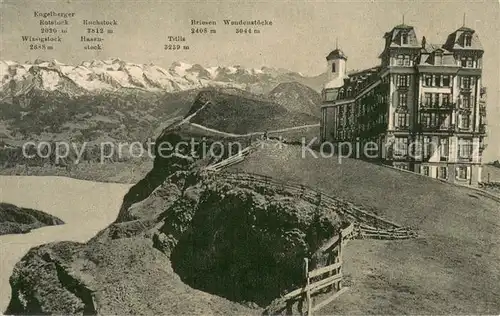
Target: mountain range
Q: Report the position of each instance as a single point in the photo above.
(91, 77)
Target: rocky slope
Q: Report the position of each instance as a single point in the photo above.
(20, 220)
(179, 249)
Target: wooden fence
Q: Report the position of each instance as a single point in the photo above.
(365, 231)
(318, 279)
(351, 211)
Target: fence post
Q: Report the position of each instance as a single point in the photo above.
(308, 291)
(339, 284)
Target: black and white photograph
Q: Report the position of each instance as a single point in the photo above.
(249, 157)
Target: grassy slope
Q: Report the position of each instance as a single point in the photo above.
(493, 171)
(242, 115)
(453, 268)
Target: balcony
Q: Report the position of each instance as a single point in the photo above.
(402, 128)
(437, 128)
(437, 107)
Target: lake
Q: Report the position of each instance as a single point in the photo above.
(85, 206)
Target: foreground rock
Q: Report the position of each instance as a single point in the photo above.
(196, 244)
(19, 220)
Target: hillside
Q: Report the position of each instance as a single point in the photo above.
(20, 220)
(241, 114)
(297, 97)
(124, 116)
(452, 269)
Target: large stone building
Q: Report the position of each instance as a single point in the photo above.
(423, 106)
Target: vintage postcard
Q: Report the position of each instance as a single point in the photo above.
(223, 157)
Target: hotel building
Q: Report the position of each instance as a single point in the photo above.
(424, 105)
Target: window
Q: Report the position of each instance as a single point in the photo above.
(333, 67)
(427, 99)
(438, 81)
(446, 98)
(469, 63)
(402, 119)
(443, 172)
(435, 100)
(462, 172)
(464, 148)
(444, 121)
(400, 60)
(401, 147)
(468, 40)
(425, 170)
(348, 115)
(446, 81)
(463, 62)
(466, 101)
(466, 82)
(342, 93)
(426, 120)
(438, 58)
(404, 38)
(428, 150)
(427, 80)
(403, 80)
(407, 60)
(444, 148)
(403, 100)
(465, 121)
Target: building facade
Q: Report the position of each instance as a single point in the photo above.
(422, 109)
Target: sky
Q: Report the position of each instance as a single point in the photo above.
(302, 34)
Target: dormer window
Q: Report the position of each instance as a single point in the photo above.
(438, 57)
(404, 39)
(349, 91)
(468, 40)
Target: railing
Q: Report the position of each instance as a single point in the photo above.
(351, 211)
(327, 277)
(437, 107)
(424, 128)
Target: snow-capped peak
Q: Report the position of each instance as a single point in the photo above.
(114, 73)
